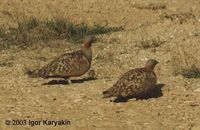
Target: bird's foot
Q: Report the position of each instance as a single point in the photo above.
(69, 81)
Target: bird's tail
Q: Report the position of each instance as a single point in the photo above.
(31, 73)
(36, 73)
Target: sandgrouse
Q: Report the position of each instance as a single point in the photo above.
(71, 64)
(134, 83)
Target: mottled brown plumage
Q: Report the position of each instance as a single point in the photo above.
(69, 64)
(135, 83)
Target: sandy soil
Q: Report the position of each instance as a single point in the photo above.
(178, 108)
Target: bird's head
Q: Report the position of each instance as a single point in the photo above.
(151, 63)
(88, 41)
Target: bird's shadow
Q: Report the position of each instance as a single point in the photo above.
(157, 92)
(64, 82)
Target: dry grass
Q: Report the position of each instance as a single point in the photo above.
(148, 42)
(150, 6)
(179, 17)
(32, 31)
(184, 64)
(6, 63)
(192, 72)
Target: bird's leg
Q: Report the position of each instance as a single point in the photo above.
(68, 80)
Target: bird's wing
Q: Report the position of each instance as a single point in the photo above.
(122, 85)
(136, 82)
(131, 83)
(67, 65)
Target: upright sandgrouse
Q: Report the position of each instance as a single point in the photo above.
(68, 65)
(134, 83)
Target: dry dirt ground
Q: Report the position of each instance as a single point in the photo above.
(172, 25)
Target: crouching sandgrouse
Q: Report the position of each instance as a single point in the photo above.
(134, 83)
(68, 65)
